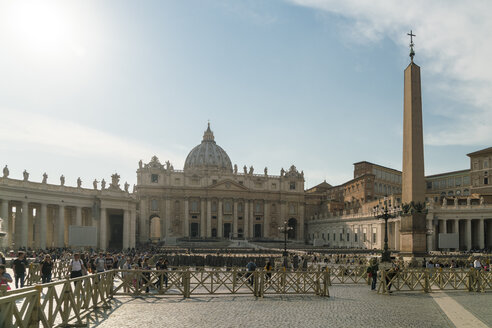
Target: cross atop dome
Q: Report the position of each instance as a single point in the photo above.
(208, 135)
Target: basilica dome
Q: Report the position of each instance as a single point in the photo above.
(208, 155)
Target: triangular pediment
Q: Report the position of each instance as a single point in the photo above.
(229, 185)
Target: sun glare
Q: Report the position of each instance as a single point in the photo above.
(41, 26)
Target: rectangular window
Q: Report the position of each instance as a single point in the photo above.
(228, 207)
(334, 235)
(274, 186)
(258, 207)
(292, 186)
(328, 236)
(154, 205)
(364, 235)
(374, 235)
(194, 206)
(239, 217)
(457, 181)
(466, 180)
(485, 181)
(154, 178)
(348, 236)
(258, 218)
(240, 207)
(323, 236)
(341, 236)
(214, 217)
(355, 237)
(194, 217)
(429, 185)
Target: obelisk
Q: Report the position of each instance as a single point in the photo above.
(413, 225)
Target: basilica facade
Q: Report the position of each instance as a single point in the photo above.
(211, 198)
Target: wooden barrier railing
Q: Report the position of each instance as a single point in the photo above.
(60, 270)
(426, 280)
(187, 282)
(56, 303)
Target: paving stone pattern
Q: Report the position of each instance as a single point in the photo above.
(348, 306)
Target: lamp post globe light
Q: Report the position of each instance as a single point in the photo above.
(386, 213)
(285, 230)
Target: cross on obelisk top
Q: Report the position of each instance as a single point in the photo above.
(412, 52)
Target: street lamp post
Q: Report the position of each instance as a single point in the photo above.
(285, 230)
(386, 213)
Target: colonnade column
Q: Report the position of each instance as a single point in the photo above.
(133, 226)
(234, 220)
(5, 223)
(78, 216)
(456, 226)
(60, 235)
(43, 222)
(444, 226)
(481, 243)
(186, 227)
(397, 235)
(251, 219)
(103, 229)
(266, 220)
(203, 224)
(246, 219)
(301, 224)
(209, 218)
(167, 222)
(219, 220)
(126, 229)
(468, 238)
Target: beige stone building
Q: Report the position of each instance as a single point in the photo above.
(210, 198)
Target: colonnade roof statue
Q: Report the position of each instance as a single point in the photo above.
(208, 155)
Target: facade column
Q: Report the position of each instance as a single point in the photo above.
(43, 225)
(103, 230)
(301, 224)
(60, 241)
(167, 222)
(252, 219)
(481, 243)
(234, 220)
(266, 220)
(78, 216)
(186, 223)
(5, 223)
(246, 219)
(220, 224)
(209, 218)
(444, 226)
(144, 233)
(203, 214)
(468, 239)
(397, 235)
(126, 229)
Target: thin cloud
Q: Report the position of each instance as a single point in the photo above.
(453, 43)
(66, 138)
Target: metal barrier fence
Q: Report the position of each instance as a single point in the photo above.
(426, 280)
(188, 282)
(56, 303)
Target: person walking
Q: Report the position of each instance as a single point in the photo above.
(77, 266)
(372, 272)
(19, 266)
(46, 269)
(251, 266)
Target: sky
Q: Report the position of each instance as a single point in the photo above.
(90, 87)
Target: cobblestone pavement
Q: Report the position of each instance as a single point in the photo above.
(348, 306)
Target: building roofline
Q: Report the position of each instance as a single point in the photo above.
(389, 168)
(447, 173)
(481, 151)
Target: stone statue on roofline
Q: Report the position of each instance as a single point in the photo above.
(282, 172)
(103, 184)
(251, 170)
(126, 186)
(266, 170)
(140, 164)
(62, 180)
(26, 175)
(245, 169)
(94, 184)
(79, 182)
(6, 172)
(235, 168)
(45, 178)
